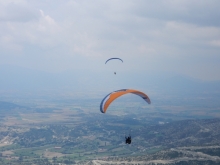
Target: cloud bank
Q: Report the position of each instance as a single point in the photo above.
(151, 36)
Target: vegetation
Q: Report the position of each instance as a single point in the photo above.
(76, 136)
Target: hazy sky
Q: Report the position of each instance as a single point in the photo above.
(181, 37)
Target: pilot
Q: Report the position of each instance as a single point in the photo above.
(128, 139)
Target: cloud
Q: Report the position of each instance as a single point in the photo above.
(203, 13)
(17, 12)
(40, 32)
(54, 35)
(215, 43)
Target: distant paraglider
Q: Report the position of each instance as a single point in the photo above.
(115, 58)
(114, 95)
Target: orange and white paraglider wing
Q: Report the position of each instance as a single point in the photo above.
(114, 95)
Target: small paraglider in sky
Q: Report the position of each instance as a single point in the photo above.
(114, 59)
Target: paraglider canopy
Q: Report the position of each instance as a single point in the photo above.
(115, 58)
(114, 95)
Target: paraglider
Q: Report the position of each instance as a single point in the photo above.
(115, 58)
(114, 95)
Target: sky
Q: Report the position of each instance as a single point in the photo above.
(179, 37)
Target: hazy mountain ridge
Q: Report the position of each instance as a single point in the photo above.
(8, 107)
(19, 78)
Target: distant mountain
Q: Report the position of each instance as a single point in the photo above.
(19, 78)
(7, 107)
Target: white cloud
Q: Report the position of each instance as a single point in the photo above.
(163, 33)
(17, 12)
(215, 43)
